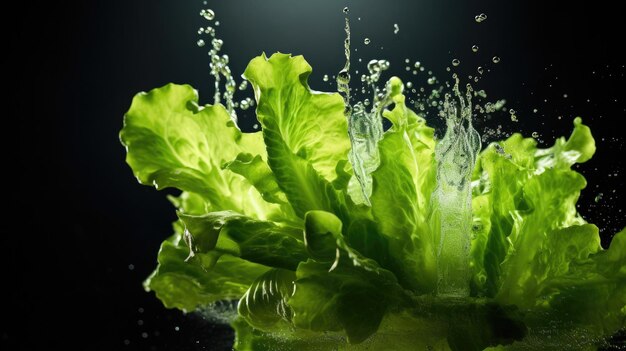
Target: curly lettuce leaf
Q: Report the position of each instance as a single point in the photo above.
(401, 188)
(253, 240)
(190, 284)
(305, 131)
(173, 142)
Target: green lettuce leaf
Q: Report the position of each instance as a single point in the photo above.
(189, 284)
(172, 142)
(253, 240)
(304, 131)
(402, 184)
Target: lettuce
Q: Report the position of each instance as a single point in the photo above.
(268, 219)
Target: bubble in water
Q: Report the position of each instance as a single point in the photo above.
(480, 18)
(480, 70)
(346, 10)
(475, 48)
(432, 80)
(417, 64)
(367, 41)
(208, 14)
(495, 59)
(407, 60)
(201, 30)
(396, 28)
(409, 85)
(217, 23)
(200, 43)
(513, 116)
(325, 78)
(456, 62)
(535, 135)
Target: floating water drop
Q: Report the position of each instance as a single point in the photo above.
(480, 70)
(243, 85)
(417, 64)
(201, 30)
(480, 18)
(200, 43)
(217, 44)
(535, 135)
(346, 10)
(475, 48)
(431, 80)
(208, 14)
(396, 28)
(325, 78)
(495, 59)
(409, 85)
(407, 60)
(456, 62)
(367, 41)
(598, 197)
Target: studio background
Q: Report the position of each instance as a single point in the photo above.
(81, 234)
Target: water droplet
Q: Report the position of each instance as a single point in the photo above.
(208, 14)
(535, 110)
(346, 10)
(384, 64)
(243, 85)
(200, 43)
(456, 62)
(407, 60)
(495, 59)
(366, 102)
(396, 28)
(409, 85)
(480, 70)
(201, 30)
(217, 23)
(414, 72)
(480, 18)
(366, 41)
(417, 64)
(325, 78)
(598, 197)
(373, 66)
(432, 80)
(475, 48)
(535, 135)
(217, 44)
(244, 104)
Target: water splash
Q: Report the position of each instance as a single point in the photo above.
(452, 207)
(219, 66)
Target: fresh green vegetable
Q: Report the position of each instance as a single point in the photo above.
(267, 218)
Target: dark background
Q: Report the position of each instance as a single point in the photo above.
(80, 234)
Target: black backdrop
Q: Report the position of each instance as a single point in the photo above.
(80, 234)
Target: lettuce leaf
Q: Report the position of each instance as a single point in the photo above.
(267, 219)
